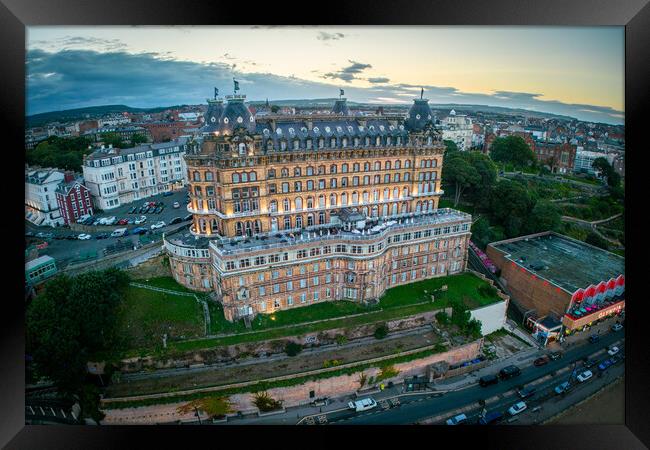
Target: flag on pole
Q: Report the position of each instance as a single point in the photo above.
(236, 84)
(421, 93)
(216, 92)
(342, 93)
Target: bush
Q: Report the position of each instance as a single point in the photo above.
(387, 372)
(487, 291)
(341, 339)
(442, 318)
(381, 331)
(265, 402)
(292, 349)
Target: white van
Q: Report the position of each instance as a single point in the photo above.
(118, 232)
(362, 405)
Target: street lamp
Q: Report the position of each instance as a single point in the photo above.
(198, 415)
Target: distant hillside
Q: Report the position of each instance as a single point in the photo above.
(37, 120)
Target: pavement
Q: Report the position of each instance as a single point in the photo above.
(445, 397)
(73, 251)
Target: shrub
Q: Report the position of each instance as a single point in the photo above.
(442, 318)
(387, 372)
(341, 339)
(265, 402)
(487, 291)
(292, 349)
(381, 331)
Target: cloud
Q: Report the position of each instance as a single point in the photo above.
(348, 73)
(377, 80)
(323, 36)
(74, 78)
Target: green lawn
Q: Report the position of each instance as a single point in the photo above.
(401, 301)
(165, 283)
(146, 315)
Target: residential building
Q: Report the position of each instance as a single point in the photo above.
(117, 176)
(41, 207)
(294, 210)
(510, 131)
(551, 275)
(558, 158)
(584, 160)
(458, 128)
(73, 198)
(125, 132)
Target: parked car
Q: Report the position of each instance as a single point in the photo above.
(71, 237)
(594, 338)
(157, 225)
(123, 221)
(142, 209)
(119, 232)
(509, 372)
(111, 220)
(101, 236)
(617, 327)
(603, 366)
(139, 230)
(158, 210)
(139, 220)
(133, 210)
(131, 221)
(362, 405)
(176, 205)
(613, 350)
(527, 392)
(555, 355)
(616, 358)
(589, 363)
(97, 222)
(175, 220)
(541, 361)
(488, 380)
(83, 237)
(584, 376)
(490, 418)
(457, 420)
(517, 408)
(167, 194)
(564, 387)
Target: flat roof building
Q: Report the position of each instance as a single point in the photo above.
(551, 274)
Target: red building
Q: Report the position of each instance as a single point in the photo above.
(73, 199)
(559, 158)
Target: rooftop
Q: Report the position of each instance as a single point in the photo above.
(38, 261)
(563, 261)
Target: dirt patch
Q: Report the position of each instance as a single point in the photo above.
(507, 345)
(152, 268)
(260, 368)
(606, 407)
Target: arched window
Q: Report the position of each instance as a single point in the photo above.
(395, 193)
(367, 141)
(364, 210)
(310, 202)
(418, 207)
(375, 211)
(366, 166)
(310, 185)
(405, 192)
(321, 170)
(387, 165)
(399, 140)
(375, 195)
(344, 199)
(344, 168)
(269, 144)
(407, 176)
(297, 172)
(244, 177)
(321, 218)
(321, 143)
(258, 226)
(377, 179)
(283, 145)
(287, 222)
(366, 179)
(355, 198)
(388, 141)
(285, 172)
(310, 170)
(377, 143)
(239, 231)
(298, 202)
(271, 173)
(377, 165)
(394, 209)
(286, 205)
(407, 164)
(396, 178)
(365, 196)
(321, 201)
(333, 168)
(253, 176)
(387, 178)
(398, 164)
(355, 167)
(333, 200)
(345, 142)
(273, 206)
(298, 221)
(386, 194)
(235, 178)
(310, 220)
(404, 208)
(356, 141)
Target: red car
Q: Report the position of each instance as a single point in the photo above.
(123, 221)
(541, 361)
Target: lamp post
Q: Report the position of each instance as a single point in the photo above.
(198, 415)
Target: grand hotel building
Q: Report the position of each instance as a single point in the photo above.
(294, 210)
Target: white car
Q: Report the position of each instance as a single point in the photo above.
(139, 220)
(83, 237)
(584, 376)
(517, 408)
(176, 205)
(158, 225)
(110, 220)
(617, 327)
(457, 420)
(612, 351)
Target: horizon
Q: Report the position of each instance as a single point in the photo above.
(528, 68)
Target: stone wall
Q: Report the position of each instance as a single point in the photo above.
(155, 267)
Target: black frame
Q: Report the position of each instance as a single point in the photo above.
(15, 15)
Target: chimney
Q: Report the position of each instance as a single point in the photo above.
(68, 176)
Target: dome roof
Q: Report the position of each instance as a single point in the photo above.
(341, 107)
(236, 115)
(419, 115)
(212, 115)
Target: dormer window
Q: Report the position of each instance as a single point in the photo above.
(283, 145)
(345, 142)
(333, 142)
(242, 148)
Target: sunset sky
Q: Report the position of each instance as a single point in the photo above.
(577, 71)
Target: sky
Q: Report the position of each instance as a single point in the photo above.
(574, 71)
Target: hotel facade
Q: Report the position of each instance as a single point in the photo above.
(290, 211)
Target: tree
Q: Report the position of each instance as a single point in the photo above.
(63, 153)
(601, 165)
(265, 402)
(596, 240)
(212, 406)
(450, 148)
(292, 349)
(138, 139)
(543, 217)
(512, 150)
(510, 206)
(275, 108)
(113, 139)
(381, 331)
(479, 192)
(458, 172)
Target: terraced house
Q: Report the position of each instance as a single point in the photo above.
(294, 210)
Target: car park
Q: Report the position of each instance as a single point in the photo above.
(139, 230)
(158, 210)
(616, 358)
(617, 327)
(541, 361)
(589, 363)
(175, 220)
(176, 205)
(517, 408)
(594, 338)
(167, 194)
(527, 392)
(613, 350)
(157, 225)
(488, 380)
(584, 376)
(457, 420)
(562, 388)
(83, 237)
(139, 220)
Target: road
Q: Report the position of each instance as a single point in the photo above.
(415, 408)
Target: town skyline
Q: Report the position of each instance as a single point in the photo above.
(514, 67)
